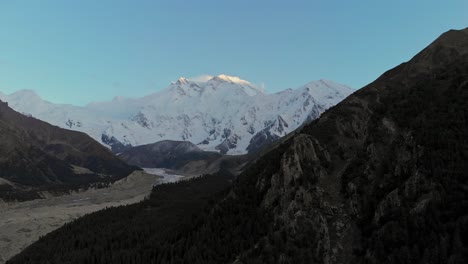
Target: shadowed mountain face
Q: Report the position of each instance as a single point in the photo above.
(380, 178)
(35, 153)
(166, 154)
(183, 156)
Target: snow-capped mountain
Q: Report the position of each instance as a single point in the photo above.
(224, 113)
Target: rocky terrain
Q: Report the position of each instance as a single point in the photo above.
(22, 223)
(380, 177)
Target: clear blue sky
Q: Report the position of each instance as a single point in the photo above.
(91, 50)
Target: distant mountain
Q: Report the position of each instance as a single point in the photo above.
(182, 156)
(34, 153)
(224, 114)
(380, 178)
(166, 154)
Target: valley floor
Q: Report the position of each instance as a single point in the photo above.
(23, 223)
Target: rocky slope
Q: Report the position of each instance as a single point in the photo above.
(34, 153)
(224, 114)
(379, 178)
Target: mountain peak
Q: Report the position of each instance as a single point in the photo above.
(246, 86)
(185, 86)
(230, 79)
(449, 46)
(182, 80)
(26, 94)
(454, 40)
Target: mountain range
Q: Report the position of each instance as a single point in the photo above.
(382, 177)
(224, 114)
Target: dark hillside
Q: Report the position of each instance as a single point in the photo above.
(36, 154)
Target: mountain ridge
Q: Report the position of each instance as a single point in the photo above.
(221, 114)
(34, 153)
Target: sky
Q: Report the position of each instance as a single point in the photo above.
(82, 51)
